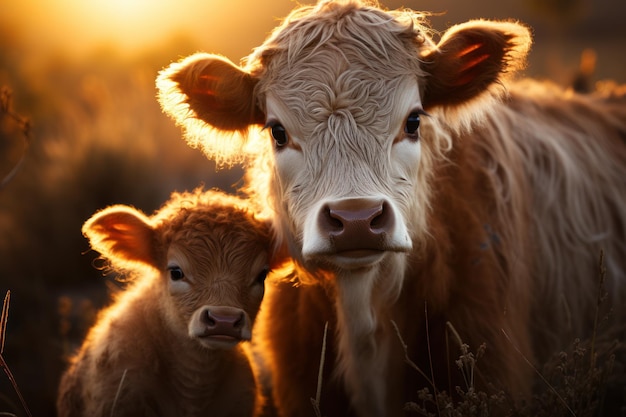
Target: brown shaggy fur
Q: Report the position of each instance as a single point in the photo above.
(496, 209)
(149, 354)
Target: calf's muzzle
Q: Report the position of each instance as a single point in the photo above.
(224, 321)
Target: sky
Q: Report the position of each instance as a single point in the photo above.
(234, 27)
(79, 26)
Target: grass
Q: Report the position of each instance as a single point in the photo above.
(586, 379)
(568, 387)
(13, 127)
(4, 318)
(318, 394)
(117, 394)
(575, 382)
(97, 137)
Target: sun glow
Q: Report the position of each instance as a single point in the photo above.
(130, 25)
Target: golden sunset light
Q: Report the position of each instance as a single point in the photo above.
(82, 129)
(235, 27)
(128, 26)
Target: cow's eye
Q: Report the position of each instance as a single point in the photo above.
(260, 278)
(279, 134)
(176, 274)
(412, 123)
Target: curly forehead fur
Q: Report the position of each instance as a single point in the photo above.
(194, 217)
(355, 49)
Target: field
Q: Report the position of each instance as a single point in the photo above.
(96, 138)
(79, 132)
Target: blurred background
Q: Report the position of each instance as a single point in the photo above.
(80, 129)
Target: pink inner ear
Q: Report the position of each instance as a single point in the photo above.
(466, 71)
(472, 61)
(469, 49)
(205, 89)
(207, 80)
(472, 57)
(121, 227)
(209, 77)
(203, 92)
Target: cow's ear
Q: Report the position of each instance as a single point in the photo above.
(470, 58)
(123, 235)
(213, 100)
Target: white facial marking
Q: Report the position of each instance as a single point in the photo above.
(389, 177)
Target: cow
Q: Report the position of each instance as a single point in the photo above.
(171, 342)
(431, 201)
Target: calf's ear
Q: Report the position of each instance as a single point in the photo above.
(213, 100)
(123, 235)
(472, 57)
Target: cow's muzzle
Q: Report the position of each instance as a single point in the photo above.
(356, 231)
(356, 224)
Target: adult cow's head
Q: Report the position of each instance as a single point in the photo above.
(344, 90)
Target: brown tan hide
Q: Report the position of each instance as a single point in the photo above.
(424, 191)
(171, 343)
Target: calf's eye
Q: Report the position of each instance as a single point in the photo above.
(412, 123)
(260, 278)
(176, 274)
(279, 134)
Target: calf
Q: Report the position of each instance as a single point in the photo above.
(170, 343)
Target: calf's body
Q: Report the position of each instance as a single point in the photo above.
(170, 343)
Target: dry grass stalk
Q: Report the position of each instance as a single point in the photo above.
(599, 300)
(540, 375)
(3, 324)
(316, 401)
(119, 391)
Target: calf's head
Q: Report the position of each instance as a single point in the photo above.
(212, 256)
(344, 91)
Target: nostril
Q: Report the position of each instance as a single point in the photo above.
(330, 221)
(241, 321)
(207, 319)
(383, 220)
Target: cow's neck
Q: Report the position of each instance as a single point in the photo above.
(364, 303)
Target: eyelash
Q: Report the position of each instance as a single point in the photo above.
(413, 122)
(278, 132)
(176, 273)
